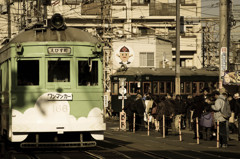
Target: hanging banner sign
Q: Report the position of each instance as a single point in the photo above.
(224, 60)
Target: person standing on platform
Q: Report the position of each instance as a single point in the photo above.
(218, 116)
(129, 109)
(140, 109)
(237, 112)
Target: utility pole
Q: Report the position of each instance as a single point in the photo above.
(223, 40)
(9, 19)
(177, 63)
(106, 17)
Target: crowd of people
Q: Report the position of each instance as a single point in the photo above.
(207, 108)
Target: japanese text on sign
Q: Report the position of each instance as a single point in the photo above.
(59, 50)
(60, 96)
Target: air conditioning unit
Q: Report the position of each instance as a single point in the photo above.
(118, 33)
(3, 9)
(118, 1)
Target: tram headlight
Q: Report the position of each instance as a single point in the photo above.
(57, 21)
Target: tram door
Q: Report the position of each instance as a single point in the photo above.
(146, 87)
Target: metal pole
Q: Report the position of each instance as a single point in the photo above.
(223, 37)
(197, 127)
(163, 126)
(148, 123)
(134, 121)
(177, 63)
(179, 128)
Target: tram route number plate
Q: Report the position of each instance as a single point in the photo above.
(59, 96)
(121, 97)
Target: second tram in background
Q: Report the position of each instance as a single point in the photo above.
(160, 81)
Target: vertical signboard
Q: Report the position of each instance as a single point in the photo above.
(223, 61)
(122, 90)
(123, 125)
(105, 101)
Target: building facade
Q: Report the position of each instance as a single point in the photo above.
(123, 19)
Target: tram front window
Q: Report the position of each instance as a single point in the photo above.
(87, 76)
(27, 72)
(58, 71)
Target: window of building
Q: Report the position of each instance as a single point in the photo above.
(140, 2)
(72, 2)
(58, 71)
(27, 72)
(118, 1)
(146, 59)
(87, 76)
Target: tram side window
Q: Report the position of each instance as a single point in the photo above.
(27, 72)
(201, 87)
(194, 87)
(155, 88)
(146, 87)
(58, 71)
(114, 88)
(87, 76)
(182, 86)
(188, 87)
(168, 87)
(133, 88)
(162, 87)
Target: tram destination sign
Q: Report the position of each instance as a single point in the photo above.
(59, 50)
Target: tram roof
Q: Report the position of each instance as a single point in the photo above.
(42, 35)
(165, 72)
